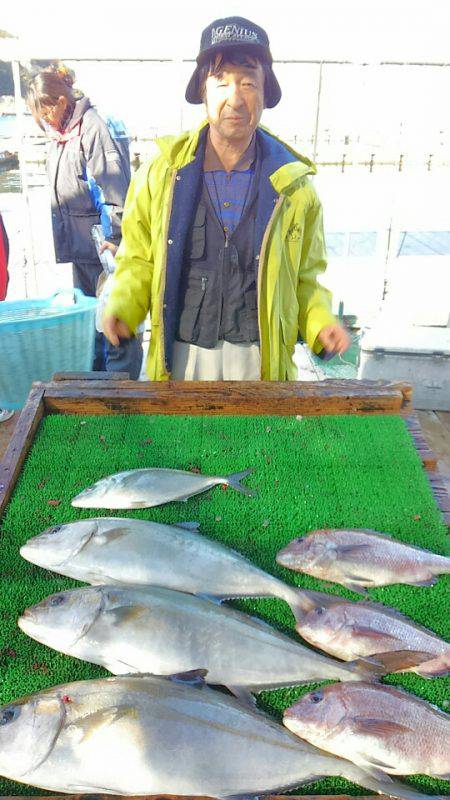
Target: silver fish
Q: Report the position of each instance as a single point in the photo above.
(130, 551)
(350, 630)
(378, 726)
(359, 559)
(147, 735)
(144, 488)
(160, 631)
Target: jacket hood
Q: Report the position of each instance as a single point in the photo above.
(81, 106)
(289, 166)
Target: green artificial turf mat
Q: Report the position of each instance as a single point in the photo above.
(315, 472)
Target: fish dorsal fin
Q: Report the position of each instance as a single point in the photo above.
(210, 598)
(387, 536)
(371, 726)
(396, 614)
(194, 677)
(194, 527)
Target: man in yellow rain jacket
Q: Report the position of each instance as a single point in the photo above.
(222, 233)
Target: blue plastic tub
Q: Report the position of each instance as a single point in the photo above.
(40, 337)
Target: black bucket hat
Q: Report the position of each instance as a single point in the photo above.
(224, 35)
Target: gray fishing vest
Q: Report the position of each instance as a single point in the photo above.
(218, 295)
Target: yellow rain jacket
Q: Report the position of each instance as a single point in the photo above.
(289, 249)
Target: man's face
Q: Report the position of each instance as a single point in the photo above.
(235, 100)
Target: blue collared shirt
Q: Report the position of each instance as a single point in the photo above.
(229, 191)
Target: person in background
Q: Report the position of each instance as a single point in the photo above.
(4, 278)
(89, 173)
(222, 233)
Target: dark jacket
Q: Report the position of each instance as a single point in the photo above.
(89, 178)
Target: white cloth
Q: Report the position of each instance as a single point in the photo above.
(224, 362)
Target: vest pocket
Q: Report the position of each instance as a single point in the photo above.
(193, 302)
(198, 238)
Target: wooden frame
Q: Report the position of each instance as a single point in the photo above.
(72, 393)
(90, 394)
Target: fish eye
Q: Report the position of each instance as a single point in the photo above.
(316, 697)
(56, 529)
(7, 716)
(319, 610)
(56, 600)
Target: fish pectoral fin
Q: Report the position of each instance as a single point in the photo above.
(194, 527)
(87, 726)
(429, 582)
(352, 582)
(377, 727)
(194, 677)
(243, 695)
(123, 614)
(109, 536)
(351, 549)
(370, 633)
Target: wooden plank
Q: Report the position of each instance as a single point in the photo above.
(228, 397)
(91, 376)
(427, 455)
(438, 436)
(6, 431)
(20, 442)
(98, 796)
(439, 487)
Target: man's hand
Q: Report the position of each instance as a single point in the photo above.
(109, 246)
(334, 339)
(114, 330)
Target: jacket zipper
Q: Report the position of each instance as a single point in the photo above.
(262, 254)
(164, 273)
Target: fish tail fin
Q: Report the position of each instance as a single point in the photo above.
(373, 668)
(300, 601)
(380, 782)
(401, 660)
(234, 480)
(436, 667)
